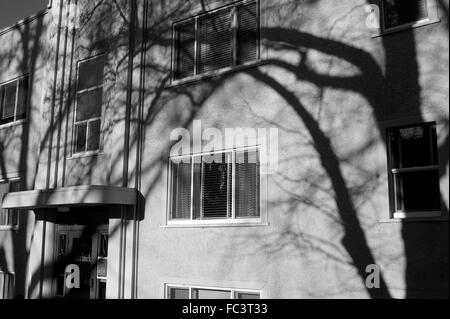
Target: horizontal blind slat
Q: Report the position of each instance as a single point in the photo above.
(215, 37)
(185, 50)
(247, 34)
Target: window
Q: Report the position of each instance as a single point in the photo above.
(13, 100)
(398, 13)
(89, 100)
(6, 285)
(414, 170)
(191, 292)
(9, 217)
(215, 40)
(218, 186)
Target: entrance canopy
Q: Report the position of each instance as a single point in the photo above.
(75, 196)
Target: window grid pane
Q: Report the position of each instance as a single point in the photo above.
(399, 12)
(216, 184)
(247, 33)
(246, 295)
(247, 184)
(200, 293)
(8, 217)
(80, 138)
(215, 41)
(89, 105)
(185, 50)
(413, 165)
(9, 101)
(181, 189)
(22, 99)
(178, 293)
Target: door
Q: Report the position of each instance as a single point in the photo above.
(88, 252)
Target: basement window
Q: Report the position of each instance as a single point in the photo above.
(217, 40)
(14, 100)
(405, 14)
(215, 187)
(193, 292)
(414, 171)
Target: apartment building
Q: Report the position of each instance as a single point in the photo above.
(225, 149)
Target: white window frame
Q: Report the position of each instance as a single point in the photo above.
(16, 226)
(232, 220)
(393, 172)
(432, 17)
(2, 286)
(79, 123)
(17, 80)
(233, 291)
(200, 75)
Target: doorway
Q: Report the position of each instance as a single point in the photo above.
(85, 248)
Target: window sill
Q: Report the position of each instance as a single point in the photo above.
(404, 27)
(15, 123)
(215, 223)
(221, 72)
(83, 155)
(400, 217)
(9, 228)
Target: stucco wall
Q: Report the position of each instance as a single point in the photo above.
(330, 88)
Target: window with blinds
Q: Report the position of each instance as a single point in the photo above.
(88, 110)
(401, 12)
(216, 40)
(414, 169)
(223, 185)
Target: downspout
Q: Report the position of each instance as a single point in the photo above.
(49, 154)
(126, 152)
(139, 150)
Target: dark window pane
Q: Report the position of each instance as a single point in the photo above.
(215, 36)
(181, 189)
(22, 98)
(60, 286)
(216, 186)
(418, 191)
(101, 289)
(247, 295)
(9, 101)
(197, 160)
(247, 184)
(80, 138)
(178, 293)
(4, 188)
(185, 50)
(13, 219)
(415, 146)
(91, 73)
(89, 104)
(93, 142)
(210, 294)
(398, 12)
(247, 34)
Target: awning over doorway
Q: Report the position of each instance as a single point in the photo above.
(75, 196)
